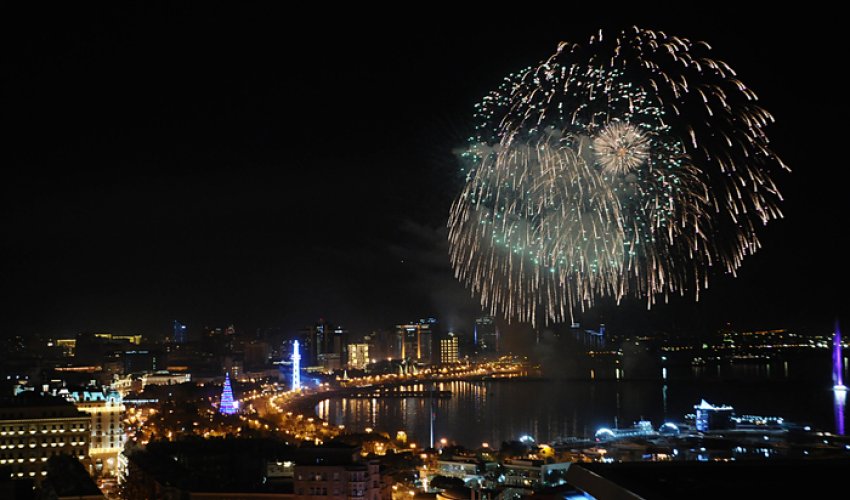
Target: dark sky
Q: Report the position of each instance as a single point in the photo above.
(266, 168)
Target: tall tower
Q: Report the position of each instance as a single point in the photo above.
(296, 367)
(227, 406)
(837, 361)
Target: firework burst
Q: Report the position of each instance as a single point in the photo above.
(628, 166)
(620, 148)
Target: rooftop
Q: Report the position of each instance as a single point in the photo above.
(695, 481)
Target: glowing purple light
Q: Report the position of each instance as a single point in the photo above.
(837, 368)
(227, 406)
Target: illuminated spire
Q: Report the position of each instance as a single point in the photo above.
(837, 361)
(227, 406)
(296, 368)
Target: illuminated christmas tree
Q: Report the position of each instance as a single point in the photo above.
(227, 406)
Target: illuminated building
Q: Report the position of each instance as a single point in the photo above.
(641, 428)
(133, 339)
(486, 334)
(448, 349)
(466, 469)
(327, 345)
(34, 428)
(534, 474)
(837, 364)
(338, 343)
(227, 405)
(314, 341)
(414, 339)
(107, 430)
(358, 356)
(164, 377)
(179, 331)
(710, 417)
(67, 346)
(296, 367)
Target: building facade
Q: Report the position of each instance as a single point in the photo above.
(340, 482)
(326, 345)
(449, 349)
(414, 340)
(358, 356)
(106, 410)
(34, 428)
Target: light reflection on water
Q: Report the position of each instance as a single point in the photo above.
(839, 404)
(547, 409)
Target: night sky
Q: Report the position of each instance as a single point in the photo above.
(267, 168)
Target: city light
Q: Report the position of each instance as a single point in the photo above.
(290, 215)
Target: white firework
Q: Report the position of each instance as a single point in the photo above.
(620, 148)
(632, 166)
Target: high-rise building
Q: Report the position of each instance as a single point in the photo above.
(486, 334)
(107, 430)
(179, 332)
(326, 345)
(315, 340)
(414, 339)
(383, 344)
(34, 428)
(449, 349)
(358, 356)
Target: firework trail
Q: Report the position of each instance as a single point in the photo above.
(628, 166)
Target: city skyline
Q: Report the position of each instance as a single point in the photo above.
(263, 180)
(267, 252)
